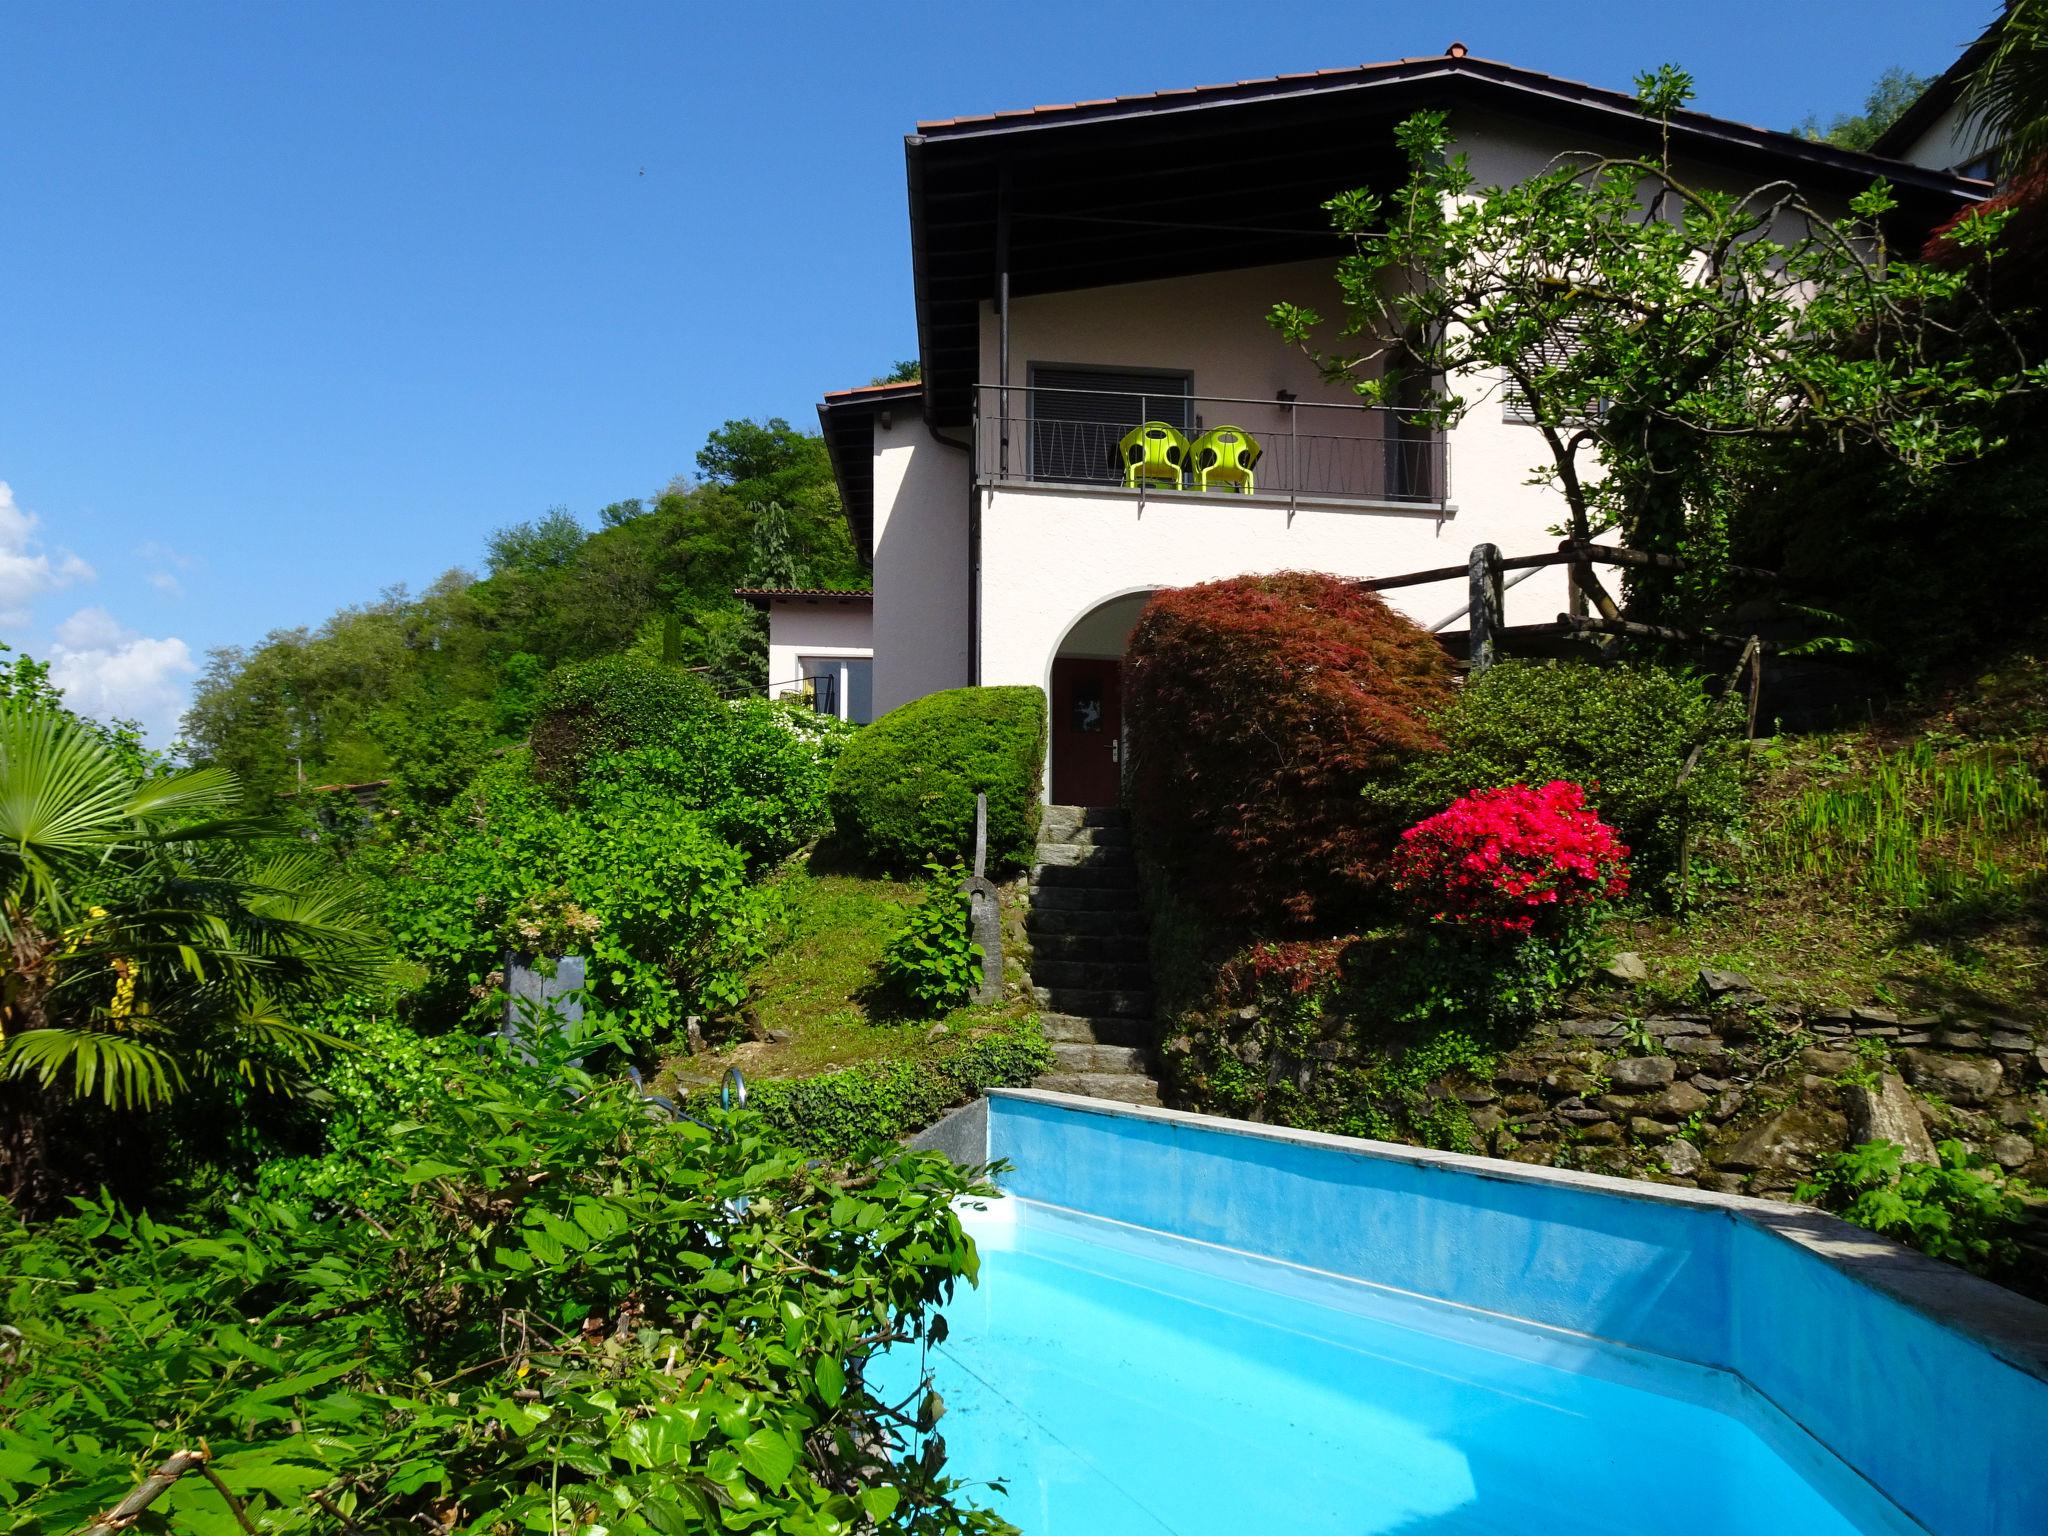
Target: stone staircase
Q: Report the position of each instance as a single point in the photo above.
(1090, 968)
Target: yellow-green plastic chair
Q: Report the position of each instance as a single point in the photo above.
(1224, 456)
(1153, 454)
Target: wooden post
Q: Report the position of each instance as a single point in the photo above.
(1488, 599)
(984, 910)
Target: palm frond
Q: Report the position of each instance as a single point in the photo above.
(2006, 97)
(195, 789)
(120, 1070)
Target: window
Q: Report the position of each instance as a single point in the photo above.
(1554, 351)
(1078, 415)
(840, 686)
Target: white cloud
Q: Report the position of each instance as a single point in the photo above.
(27, 570)
(110, 672)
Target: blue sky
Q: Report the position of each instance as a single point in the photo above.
(298, 301)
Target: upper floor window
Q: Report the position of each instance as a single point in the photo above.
(1078, 415)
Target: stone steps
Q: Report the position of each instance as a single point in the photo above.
(1048, 923)
(1120, 1087)
(1107, 948)
(1091, 975)
(1091, 971)
(1083, 1056)
(1078, 1029)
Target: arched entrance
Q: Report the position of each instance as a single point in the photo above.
(1084, 687)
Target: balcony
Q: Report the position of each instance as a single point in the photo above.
(1294, 451)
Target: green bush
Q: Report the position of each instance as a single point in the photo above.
(644, 888)
(931, 963)
(1623, 732)
(1962, 1208)
(841, 1113)
(534, 1310)
(903, 792)
(614, 704)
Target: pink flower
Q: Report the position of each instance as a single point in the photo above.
(1497, 859)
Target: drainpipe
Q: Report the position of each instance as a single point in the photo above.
(1002, 275)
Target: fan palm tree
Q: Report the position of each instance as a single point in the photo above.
(2007, 94)
(149, 937)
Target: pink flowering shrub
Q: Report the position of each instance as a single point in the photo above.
(1512, 861)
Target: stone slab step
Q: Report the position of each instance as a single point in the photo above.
(1118, 836)
(1043, 922)
(1083, 1056)
(1123, 1087)
(1111, 948)
(1094, 1004)
(1058, 820)
(1117, 899)
(1091, 975)
(1088, 855)
(1122, 877)
(1076, 1028)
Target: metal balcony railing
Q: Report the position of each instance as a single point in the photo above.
(1307, 450)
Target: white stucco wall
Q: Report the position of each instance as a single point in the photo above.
(1947, 144)
(920, 563)
(1049, 555)
(798, 627)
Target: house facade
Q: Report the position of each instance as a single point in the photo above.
(1092, 286)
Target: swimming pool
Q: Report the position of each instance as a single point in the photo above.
(1194, 1326)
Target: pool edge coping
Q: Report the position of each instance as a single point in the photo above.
(2009, 1325)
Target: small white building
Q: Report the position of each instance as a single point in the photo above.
(821, 647)
(1935, 132)
(1083, 270)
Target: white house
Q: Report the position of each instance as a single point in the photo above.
(1935, 132)
(1082, 269)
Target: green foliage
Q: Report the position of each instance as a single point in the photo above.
(1625, 733)
(853, 1111)
(530, 1309)
(1651, 324)
(2007, 96)
(153, 940)
(358, 698)
(931, 963)
(545, 544)
(612, 705)
(1962, 1208)
(903, 792)
(1894, 91)
(1920, 829)
(670, 924)
(1259, 707)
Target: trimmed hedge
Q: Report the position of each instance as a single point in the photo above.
(1259, 708)
(903, 791)
(839, 1113)
(615, 704)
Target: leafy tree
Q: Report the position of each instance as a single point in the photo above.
(619, 512)
(545, 544)
(772, 557)
(906, 371)
(1647, 323)
(1896, 89)
(2007, 95)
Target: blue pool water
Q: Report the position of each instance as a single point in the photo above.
(1121, 1380)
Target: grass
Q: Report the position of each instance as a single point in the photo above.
(812, 1008)
(1903, 867)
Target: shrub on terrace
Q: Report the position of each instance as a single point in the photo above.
(632, 879)
(1259, 708)
(1624, 733)
(627, 725)
(903, 791)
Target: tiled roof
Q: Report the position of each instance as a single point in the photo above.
(814, 594)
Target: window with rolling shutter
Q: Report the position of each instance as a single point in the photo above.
(1078, 415)
(1554, 351)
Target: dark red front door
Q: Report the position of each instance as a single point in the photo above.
(1087, 731)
